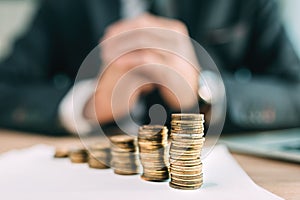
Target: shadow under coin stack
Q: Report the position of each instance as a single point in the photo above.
(125, 157)
(153, 141)
(187, 140)
(99, 156)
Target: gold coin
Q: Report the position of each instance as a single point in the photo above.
(178, 127)
(122, 138)
(175, 186)
(187, 147)
(116, 149)
(121, 172)
(78, 159)
(155, 179)
(101, 146)
(186, 141)
(175, 171)
(187, 116)
(187, 183)
(186, 168)
(94, 163)
(153, 127)
(187, 177)
(186, 162)
(185, 150)
(184, 156)
(188, 136)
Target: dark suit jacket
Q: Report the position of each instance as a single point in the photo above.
(243, 37)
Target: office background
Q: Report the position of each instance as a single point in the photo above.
(16, 14)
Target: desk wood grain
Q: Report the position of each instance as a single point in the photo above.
(281, 178)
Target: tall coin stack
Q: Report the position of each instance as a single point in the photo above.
(153, 142)
(125, 157)
(187, 140)
(99, 156)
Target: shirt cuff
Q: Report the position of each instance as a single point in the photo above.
(71, 116)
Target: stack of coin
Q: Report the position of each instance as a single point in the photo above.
(61, 152)
(99, 156)
(78, 155)
(187, 140)
(153, 142)
(125, 157)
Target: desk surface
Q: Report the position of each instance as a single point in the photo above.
(281, 178)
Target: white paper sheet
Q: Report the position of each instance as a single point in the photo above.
(34, 174)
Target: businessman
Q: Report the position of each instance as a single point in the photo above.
(246, 39)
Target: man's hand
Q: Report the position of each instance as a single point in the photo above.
(141, 54)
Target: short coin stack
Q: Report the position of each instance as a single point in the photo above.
(153, 142)
(99, 156)
(61, 152)
(125, 157)
(187, 140)
(78, 155)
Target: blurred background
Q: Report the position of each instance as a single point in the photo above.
(15, 16)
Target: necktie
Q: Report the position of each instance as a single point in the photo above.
(133, 8)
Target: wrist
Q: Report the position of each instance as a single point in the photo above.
(72, 108)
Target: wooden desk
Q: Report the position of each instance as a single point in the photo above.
(281, 178)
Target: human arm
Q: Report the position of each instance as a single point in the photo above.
(155, 53)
